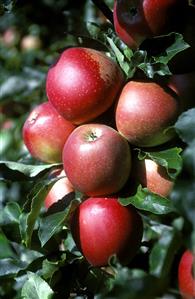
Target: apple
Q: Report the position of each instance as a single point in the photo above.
(102, 227)
(45, 132)
(10, 37)
(31, 42)
(144, 112)
(96, 159)
(184, 86)
(134, 21)
(152, 176)
(83, 84)
(60, 189)
(186, 275)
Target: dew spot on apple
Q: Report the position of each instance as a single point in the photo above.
(33, 117)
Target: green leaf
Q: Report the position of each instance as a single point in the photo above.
(5, 246)
(133, 284)
(10, 214)
(126, 66)
(54, 223)
(10, 169)
(177, 46)
(163, 252)
(10, 267)
(185, 126)
(170, 159)
(36, 288)
(27, 221)
(148, 201)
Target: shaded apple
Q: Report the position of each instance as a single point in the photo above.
(186, 275)
(152, 176)
(45, 132)
(97, 159)
(102, 227)
(60, 189)
(134, 21)
(184, 86)
(145, 111)
(83, 84)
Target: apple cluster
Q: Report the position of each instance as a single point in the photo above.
(91, 122)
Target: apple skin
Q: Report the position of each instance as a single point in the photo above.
(134, 21)
(45, 132)
(96, 159)
(83, 84)
(102, 227)
(152, 176)
(186, 280)
(144, 110)
(60, 189)
(184, 86)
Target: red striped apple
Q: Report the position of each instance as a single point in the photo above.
(83, 84)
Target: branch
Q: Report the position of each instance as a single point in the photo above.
(104, 9)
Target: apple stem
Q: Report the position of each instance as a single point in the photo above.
(104, 9)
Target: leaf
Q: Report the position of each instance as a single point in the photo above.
(53, 223)
(185, 126)
(36, 288)
(170, 159)
(22, 85)
(126, 67)
(11, 170)
(177, 46)
(163, 252)
(6, 249)
(10, 267)
(27, 221)
(147, 201)
(133, 284)
(10, 214)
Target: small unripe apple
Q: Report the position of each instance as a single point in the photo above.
(97, 159)
(45, 132)
(144, 112)
(186, 275)
(135, 21)
(102, 227)
(31, 42)
(60, 189)
(152, 176)
(83, 84)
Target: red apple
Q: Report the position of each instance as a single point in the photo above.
(60, 189)
(83, 84)
(186, 275)
(96, 159)
(135, 21)
(144, 112)
(45, 132)
(184, 86)
(102, 227)
(152, 176)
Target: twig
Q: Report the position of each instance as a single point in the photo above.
(104, 9)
